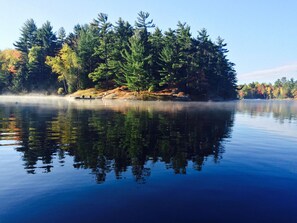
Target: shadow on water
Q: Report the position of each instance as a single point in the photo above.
(109, 136)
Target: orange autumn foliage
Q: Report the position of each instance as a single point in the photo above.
(9, 59)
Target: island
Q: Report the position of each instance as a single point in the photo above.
(103, 56)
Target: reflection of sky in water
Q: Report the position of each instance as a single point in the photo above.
(269, 124)
(256, 174)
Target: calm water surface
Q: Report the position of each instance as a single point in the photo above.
(94, 161)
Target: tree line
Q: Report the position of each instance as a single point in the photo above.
(282, 88)
(105, 55)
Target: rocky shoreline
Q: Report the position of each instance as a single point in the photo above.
(125, 94)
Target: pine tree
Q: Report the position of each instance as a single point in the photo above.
(226, 75)
(39, 72)
(135, 72)
(204, 58)
(47, 39)
(61, 36)
(123, 31)
(156, 42)
(73, 37)
(87, 43)
(184, 50)
(105, 72)
(26, 41)
(169, 60)
(28, 37)
(142, 25)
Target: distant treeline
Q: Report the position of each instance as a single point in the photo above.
(281, 89)
(105, 55)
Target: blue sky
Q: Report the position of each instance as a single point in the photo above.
(261, 34)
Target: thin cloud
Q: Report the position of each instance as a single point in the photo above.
(269, 75)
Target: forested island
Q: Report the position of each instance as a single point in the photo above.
(104, 56)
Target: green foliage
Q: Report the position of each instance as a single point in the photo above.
(137, 63)
(47, 39)
(169, 60)
(122, 33)
(156, 42)
(106, 70)
(142, 22)
(67, 65)
(135, 72)
(28, 37)
(107, 55)
(86, 45)
(35, 44)
(35, 67)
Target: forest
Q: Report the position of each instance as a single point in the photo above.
(105, 55)
(282, 89)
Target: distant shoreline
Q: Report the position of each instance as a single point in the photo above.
(121, 93)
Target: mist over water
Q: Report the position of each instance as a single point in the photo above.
(148, 127)
(158, 160)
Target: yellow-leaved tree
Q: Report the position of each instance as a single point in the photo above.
(67, 65)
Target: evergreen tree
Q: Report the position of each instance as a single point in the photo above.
(156, 42)
(106, 68)
(225, 72)
(26, 41)
(184, 51)
(47, 39)
(87, 43)
(169, 60)
(204, 58)
(61, 36)
(123, 31)
(28, 37)
(49, 46)
(73, 37)
(135, 72)
(35, 44)
(142, 25)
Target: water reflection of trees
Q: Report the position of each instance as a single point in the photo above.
(115, 140)
(280, 109)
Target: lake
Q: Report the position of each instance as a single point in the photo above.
(127, 161)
